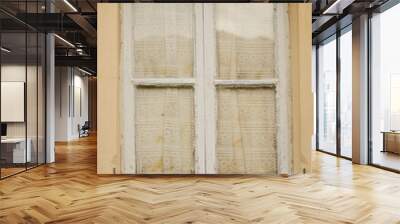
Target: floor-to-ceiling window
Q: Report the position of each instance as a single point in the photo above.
(327, 96)
(346, 92)
(385, 89)
(22, 77)
(334, 94)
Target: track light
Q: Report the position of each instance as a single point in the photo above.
(5, 50)
(70, 5)
(84, 71)
(337, 7)
(64, 40)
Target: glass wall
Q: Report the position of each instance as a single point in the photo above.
(346, 93)
(327, 96)
(334, 94)
(13, 86)
(385, 89)
(22, 98)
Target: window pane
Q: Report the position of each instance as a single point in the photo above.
(41, 99)
(245, 41)
(385, 84)
(246, 131)
(346, 94)
(163, 40)
(165, 130)
(13, 86)
(327, 97)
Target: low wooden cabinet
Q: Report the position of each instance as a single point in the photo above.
(391, 142)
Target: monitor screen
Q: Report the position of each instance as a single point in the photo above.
(3, 129)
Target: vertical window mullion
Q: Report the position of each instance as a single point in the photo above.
(317, 96)
(338, 74)
(26, 87)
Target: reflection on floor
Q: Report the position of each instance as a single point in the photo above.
(346, 152)
(8, 170)
(386, 159)
(70, 191)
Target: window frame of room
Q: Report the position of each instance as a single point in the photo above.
(205, 74)
(43, 39)
(371, 13)
(334, 37)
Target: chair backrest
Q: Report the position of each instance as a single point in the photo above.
(86, 124)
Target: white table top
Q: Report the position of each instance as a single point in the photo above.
(13, 140)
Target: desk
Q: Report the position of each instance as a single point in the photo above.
(391, 141)
(15, 148)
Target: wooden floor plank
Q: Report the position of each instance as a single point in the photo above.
(70, 191)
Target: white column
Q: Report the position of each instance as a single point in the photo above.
(50, 99)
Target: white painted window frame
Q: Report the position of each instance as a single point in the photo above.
(281, 84)
(204, 86)
(129, 84)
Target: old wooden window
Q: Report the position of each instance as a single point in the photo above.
(205, 88)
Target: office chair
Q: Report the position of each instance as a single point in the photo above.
(84, 130)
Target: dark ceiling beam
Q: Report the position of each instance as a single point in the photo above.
(15, 18)
(11, 25)
(337, 7)
(320, 22)
(49, 22)
(82, 61)
(91, 5)
(204, 1)
(84, 24)
(332, 29)
(340, 16)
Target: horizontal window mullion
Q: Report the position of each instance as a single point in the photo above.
(246, 83)
(165, 82)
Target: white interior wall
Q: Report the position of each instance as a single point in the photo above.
(62, 81)
(15, 73)
(67, 116)
(79, 118)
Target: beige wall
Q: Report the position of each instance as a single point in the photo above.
(301, 50)
(108, 50)
(109, 153)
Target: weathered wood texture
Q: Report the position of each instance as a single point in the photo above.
(163, 40)
(164, 130)
(246, 129)
(245, 41)
(248, 59)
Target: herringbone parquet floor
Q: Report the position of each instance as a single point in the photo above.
(69, 191)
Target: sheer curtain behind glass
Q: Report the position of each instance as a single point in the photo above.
(385, 85)
(327, 97)
(346, 93)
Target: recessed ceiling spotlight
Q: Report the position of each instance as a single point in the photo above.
(337, 7)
